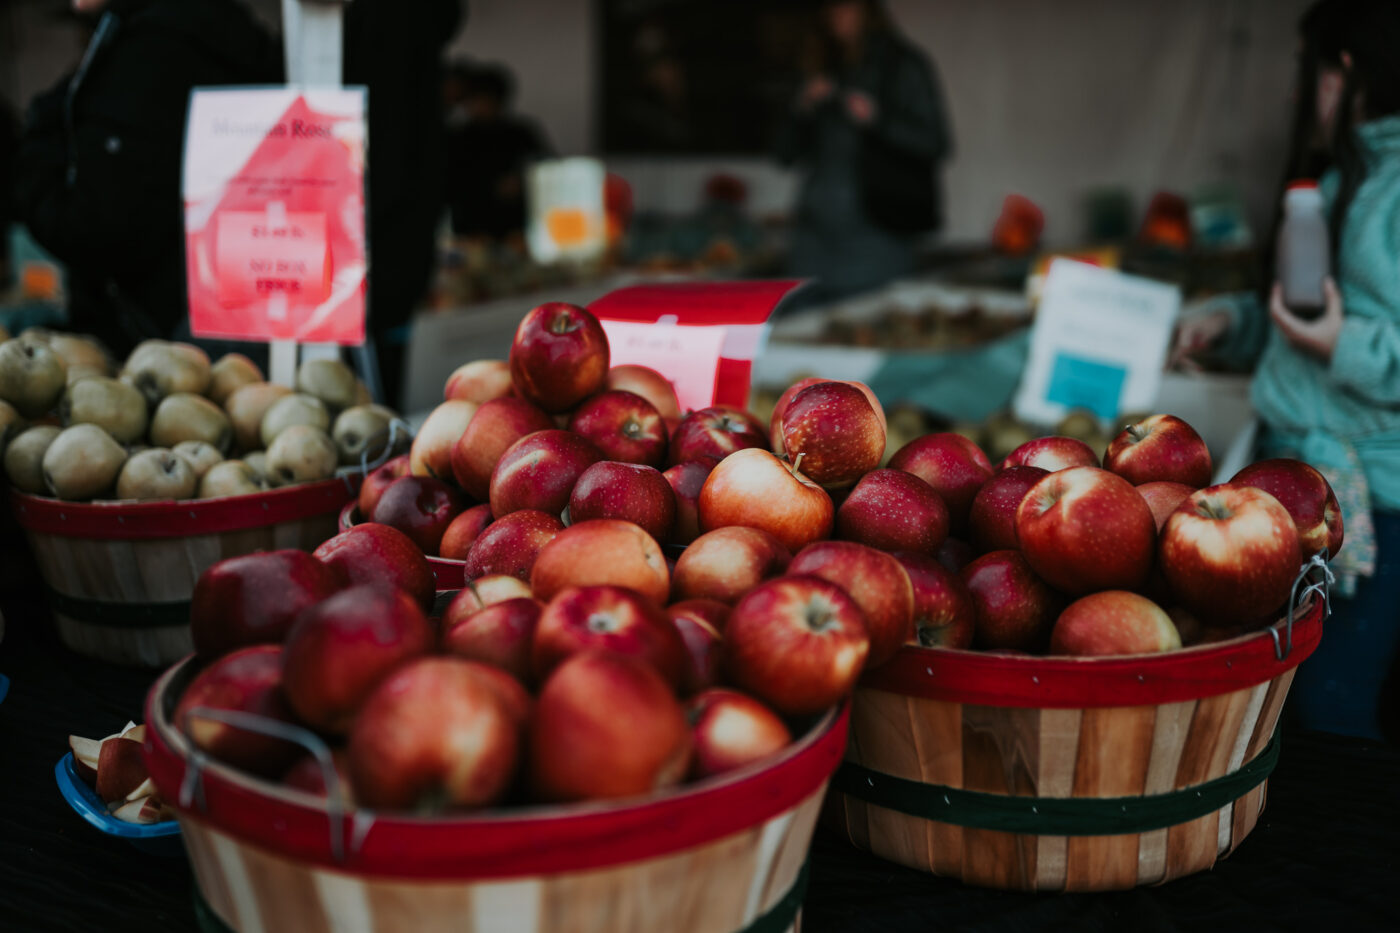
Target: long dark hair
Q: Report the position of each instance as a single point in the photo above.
(1368, 31)
(822, 54)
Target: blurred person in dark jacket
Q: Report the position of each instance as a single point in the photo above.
(97, 174)
(487, 157)
(867, 130)
(396, 51)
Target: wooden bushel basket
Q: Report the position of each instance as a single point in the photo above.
(1061, 774)
(447, 574)
(724, 855)
(119, 575)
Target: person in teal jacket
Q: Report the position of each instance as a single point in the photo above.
(1327, 391)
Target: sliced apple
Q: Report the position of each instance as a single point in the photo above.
(120, 768)
(137, 733)
(147, 809)
(85, 752)
(145, 789)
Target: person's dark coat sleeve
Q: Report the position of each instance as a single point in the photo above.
(911, 114)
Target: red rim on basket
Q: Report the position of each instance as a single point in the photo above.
(495, 844)
(182, 518)
(1083, 683)
(447, 574)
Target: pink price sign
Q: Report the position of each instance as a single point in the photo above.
(261, 255)
(687, 355)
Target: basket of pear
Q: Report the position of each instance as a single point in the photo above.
(130, 480)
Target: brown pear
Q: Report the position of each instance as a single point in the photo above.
(32, 375)
(229, 478)
(301, 454)
(79, 373)
(24, 458)
(229, 372)
(161, 367)
(157, 473)
(82, 462)
(186, 417)
(361, 429)
(81, 352)
(200, 454)
(246, 406)
(331, 381)
(297, 408)
(115, 406)
(11, 424)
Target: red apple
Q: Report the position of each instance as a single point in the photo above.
(992, 520)
(559, 356)
(649, 384)
(434, 734)
(1230, 553)
(500, 634)
(944, 613)
(754, 488)
(496, 425)
(342, 647)
(612, 618)
(628, 491)
(953, 465)
(700, 622)
(893, 510)
(1084, 529)
(1163, 498)
(726, 563)
(253, 599)
(481, 592)
(421, 507)
(1052, 454)
(1307, 496)
(1113, 622)
(797, 643)
(1015, 608)
(687, 479)
(539, 471)
(776, 421)
(479, 381)
(374, 553)
(1159, 448)
(249, 680)
(121, 770)
(875, 580)
(463, 531)
(732, 730)
(607, 726)
(715, 432)
(511, 543)
(955, 554)
(831, 433)
(624, 426)
(603, 551)
(307, 775)
(431, 453)
(377, 481)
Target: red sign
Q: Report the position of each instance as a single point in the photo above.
(274, 215)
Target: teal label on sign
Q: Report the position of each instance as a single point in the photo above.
(1076, 382)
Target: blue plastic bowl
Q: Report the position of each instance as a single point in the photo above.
(161, 838)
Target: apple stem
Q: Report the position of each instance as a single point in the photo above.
(797, 464)
(562, 324)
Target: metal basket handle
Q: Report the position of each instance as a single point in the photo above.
(397, 430)
(1306, 584)
(192, 786)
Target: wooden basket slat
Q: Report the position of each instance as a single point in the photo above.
(1171, 725)
(792, 854)
(1152, 856)
(1268, 715)
(1191, 846)
(212, 886)
(286, 901)
(937, 735)
(891, 745)
(144, 647)
(1115, 746)
(1206, 753)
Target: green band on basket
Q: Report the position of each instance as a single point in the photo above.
(109, 614)
(779, 918)
(1054, 816)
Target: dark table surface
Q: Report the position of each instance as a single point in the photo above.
(1325, 855)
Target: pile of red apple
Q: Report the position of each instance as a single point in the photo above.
(581, 661)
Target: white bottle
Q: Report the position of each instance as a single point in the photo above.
(1304, 250)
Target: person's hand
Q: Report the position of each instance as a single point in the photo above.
(1317, 337)
(817, 89)
(1195, 335)
(861, 107)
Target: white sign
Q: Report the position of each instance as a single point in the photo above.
(1099, 342)
(688, 356)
